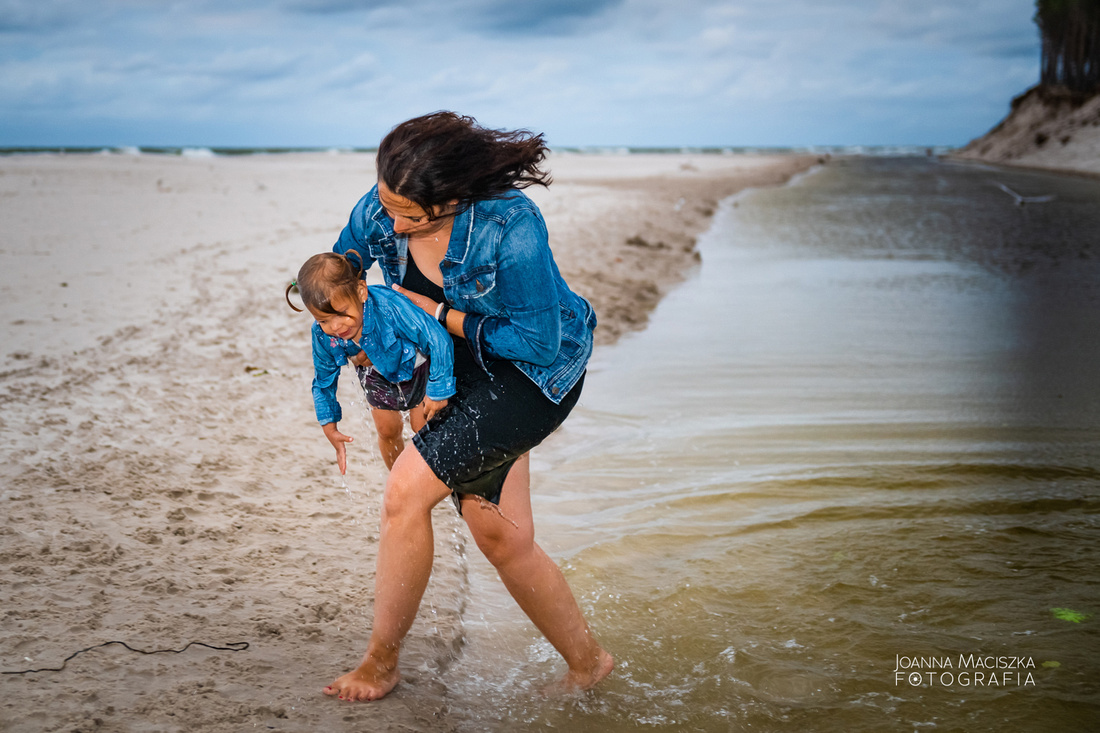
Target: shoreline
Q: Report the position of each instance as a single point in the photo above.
(165, 480)
(639, 228)
(1055, 170)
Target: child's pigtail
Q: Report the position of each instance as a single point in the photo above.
(358, 269)
(292, 287)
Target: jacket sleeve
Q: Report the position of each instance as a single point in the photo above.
(326, 374)
(353, 237)
(525, 279)
(433, 341)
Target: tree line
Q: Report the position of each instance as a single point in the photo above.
(1070, 31)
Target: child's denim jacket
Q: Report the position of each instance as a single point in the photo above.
(394, 330)
(500, 272)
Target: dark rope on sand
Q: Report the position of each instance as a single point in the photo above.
(233, 646)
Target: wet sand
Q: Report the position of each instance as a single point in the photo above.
(164, 480)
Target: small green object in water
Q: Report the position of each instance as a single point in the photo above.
(838, 556)
(1052, 665)
(1068, 614)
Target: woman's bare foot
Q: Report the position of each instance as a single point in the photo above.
(370, 681)
(580, 680)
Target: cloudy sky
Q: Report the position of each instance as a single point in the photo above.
(585, 72)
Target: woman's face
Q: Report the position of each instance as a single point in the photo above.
(408, 217)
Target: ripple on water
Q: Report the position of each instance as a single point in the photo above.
(868, 428)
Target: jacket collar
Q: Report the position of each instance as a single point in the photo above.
(378, 215)
(462, 234)
(376, 329)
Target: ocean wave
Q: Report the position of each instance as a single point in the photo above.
(197, 153)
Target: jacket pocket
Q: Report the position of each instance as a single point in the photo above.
(476, 284)
(379, 251)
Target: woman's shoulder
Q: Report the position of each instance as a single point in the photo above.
(512, 205)
(511, 222)
(368, 214)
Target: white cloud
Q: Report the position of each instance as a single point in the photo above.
(643, 72)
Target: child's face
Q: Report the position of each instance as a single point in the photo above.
(348, 324)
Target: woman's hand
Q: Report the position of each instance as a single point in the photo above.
(422, 301)
(430, 306)
(338, 439)
(360, 359)
(432, 407)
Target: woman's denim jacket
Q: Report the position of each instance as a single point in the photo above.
(500, 272)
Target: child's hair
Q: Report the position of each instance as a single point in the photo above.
(324, 277)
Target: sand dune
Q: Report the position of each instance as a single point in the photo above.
(1049, 129)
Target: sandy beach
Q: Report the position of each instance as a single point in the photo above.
(164, 480)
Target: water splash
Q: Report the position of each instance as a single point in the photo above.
(347, 489)
(486, 504)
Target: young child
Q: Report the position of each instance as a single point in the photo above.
(395, 346)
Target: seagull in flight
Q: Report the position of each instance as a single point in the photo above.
(1021, 200)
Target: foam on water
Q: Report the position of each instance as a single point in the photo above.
(197, 153)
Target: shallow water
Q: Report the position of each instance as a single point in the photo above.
(868, 426)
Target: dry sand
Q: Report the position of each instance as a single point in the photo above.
(164, 480)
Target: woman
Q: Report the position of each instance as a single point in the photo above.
(451, 229)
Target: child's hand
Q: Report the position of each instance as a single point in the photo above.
(360, 359)
(432, 407)
(338, 439)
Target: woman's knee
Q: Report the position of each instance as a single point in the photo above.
(499, 541)
(411, 488)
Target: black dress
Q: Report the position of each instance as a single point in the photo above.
(493, 418)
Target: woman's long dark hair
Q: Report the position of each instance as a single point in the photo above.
(443, 157)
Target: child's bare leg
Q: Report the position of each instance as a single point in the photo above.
(404, 565)
(534, 580)
(389, 424)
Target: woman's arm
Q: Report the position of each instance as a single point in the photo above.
(355, 235)
(455, 318)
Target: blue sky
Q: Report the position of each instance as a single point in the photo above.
(586, 72)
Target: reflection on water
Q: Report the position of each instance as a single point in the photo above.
(868, 427)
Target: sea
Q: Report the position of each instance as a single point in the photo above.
(847, 479)
(202, 151)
